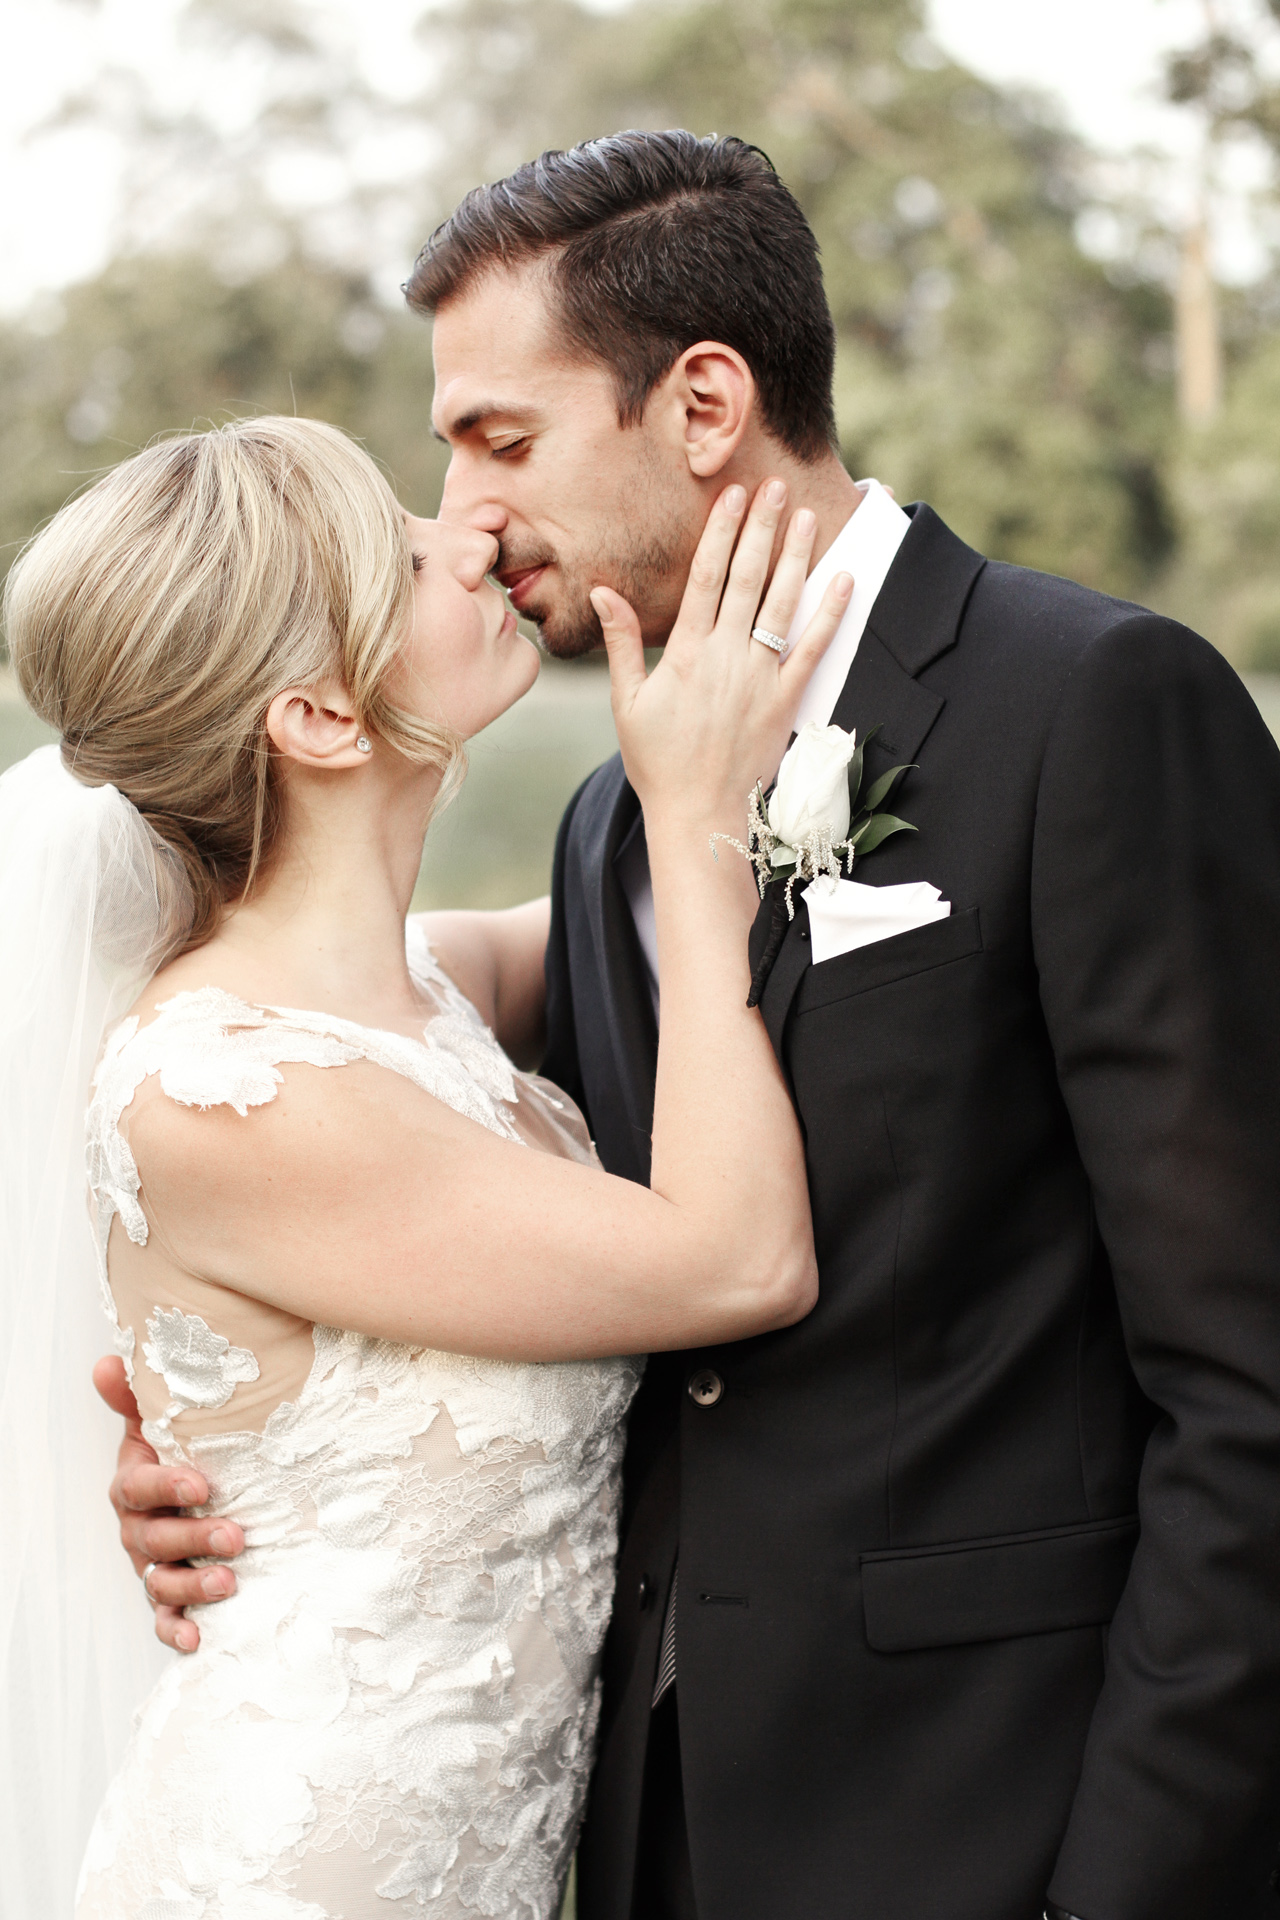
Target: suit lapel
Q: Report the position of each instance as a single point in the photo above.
(628, 1008)
(916, 617)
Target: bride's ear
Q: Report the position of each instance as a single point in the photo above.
(715, 392)
(317, 727)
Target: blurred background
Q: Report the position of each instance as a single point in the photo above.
(1051, 237)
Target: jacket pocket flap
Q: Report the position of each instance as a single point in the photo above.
(896, 958)
(996, 1589)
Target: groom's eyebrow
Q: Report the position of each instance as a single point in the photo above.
(476, 416)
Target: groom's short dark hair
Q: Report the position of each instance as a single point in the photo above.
(655, 241)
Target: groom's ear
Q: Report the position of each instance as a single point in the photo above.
(712, 395)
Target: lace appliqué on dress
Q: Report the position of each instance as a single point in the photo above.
(200, 1367)
(395, 1713)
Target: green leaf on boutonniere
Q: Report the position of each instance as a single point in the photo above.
(855, 778)
(878, 829)
(856, 768)
(878, 793)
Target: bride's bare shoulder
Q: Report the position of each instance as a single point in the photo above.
(201, 968)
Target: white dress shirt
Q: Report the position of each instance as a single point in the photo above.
(866, 547)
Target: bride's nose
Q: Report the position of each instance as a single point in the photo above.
(462, 505)
(477, 555)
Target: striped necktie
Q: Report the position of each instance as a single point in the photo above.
(667, 1658)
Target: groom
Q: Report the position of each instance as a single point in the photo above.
(961, 1599)
(963, 1595)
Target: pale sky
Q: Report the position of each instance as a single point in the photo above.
(58, 195)
(1101, 57)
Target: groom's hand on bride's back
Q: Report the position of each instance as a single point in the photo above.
(155, 1533)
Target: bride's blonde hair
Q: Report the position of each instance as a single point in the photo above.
(156, 617)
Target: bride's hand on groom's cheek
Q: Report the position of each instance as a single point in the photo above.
(148, 1498)
(715, 715)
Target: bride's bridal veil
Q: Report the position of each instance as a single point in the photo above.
(90, 899)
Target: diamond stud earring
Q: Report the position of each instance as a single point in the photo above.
(363, 746)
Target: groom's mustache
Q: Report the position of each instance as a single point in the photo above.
(512, 561)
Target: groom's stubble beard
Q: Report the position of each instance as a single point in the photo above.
(647, 564)
(569, 628)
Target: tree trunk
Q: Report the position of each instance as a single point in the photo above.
(1199, 341)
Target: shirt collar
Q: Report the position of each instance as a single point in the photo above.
(866, 546)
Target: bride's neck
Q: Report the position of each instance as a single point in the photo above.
(324, 927)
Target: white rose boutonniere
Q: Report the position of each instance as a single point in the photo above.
(816, 820)
(810, 802)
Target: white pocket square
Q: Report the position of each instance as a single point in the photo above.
(843, 914)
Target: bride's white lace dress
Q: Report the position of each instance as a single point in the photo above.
(394, 1714)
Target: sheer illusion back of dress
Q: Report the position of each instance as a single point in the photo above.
(395, 1712)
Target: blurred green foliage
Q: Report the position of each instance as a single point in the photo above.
(1224, 575)
(985, 363)
(162, 342)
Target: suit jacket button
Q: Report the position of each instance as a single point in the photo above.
(705, 1387)
(645, 1595)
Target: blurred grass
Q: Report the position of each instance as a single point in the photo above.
(493, 846)
(1265, 688)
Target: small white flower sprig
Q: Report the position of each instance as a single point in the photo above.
(816, 820)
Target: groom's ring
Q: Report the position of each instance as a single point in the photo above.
(774, 641)
(150, 1569)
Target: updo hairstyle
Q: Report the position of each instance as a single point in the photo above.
(157, 616)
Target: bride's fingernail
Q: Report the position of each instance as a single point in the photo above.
(775, 493)
(186, 1638)
(187, 1494)
(735, 500)
(220, 1540)
(805, 523)
(844, 585)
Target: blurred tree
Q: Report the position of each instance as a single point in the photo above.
(1225, 580)
(1224, 467)
(159, 342)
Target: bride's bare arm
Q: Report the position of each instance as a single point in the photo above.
(356, 1200)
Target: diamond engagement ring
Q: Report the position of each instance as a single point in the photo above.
(774, 641)
(150, 1569)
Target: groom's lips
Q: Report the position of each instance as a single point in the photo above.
(520, 582)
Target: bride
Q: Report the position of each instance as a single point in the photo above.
(369, 1282)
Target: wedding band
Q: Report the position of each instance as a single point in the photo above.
(150, 1569)
(774, 641)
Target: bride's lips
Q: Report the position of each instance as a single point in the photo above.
(520, 582)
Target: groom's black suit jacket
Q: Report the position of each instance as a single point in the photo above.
(980, 1563)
